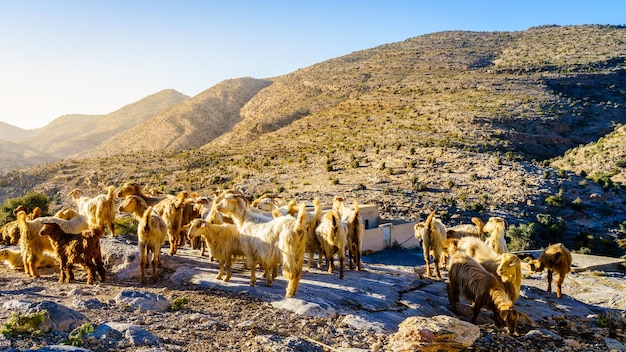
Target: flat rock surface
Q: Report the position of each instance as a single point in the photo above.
(367, 305)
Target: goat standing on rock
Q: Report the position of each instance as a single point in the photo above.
(82, 248)
(432, 232)
(151, 232)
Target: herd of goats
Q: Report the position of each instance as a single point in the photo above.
(267, 236)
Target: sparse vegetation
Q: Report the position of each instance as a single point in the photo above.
(24, 324)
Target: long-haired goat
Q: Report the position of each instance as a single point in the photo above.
(270, 241)
(312, 243)
(171, 211)
(332, 233)
(135, 189)
(555, 258)
(11, 230)
(352, 217)
(82, 248)
(99, 210)
(471, 280)
(33, 246)
(151, 232)
(13, 258)
(506, 267)
(464, 230)
(496, 227)
(432, 232)
(223, 241)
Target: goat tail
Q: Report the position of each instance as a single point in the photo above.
(146, 217)
(317, 215)
(301, 219)
(429, 220)
(111, 192)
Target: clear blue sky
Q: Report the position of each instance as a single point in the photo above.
(93, 57)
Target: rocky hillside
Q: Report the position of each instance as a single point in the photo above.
(464, 123)
(70, 135)
(189, 124)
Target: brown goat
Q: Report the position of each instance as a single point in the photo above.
(555, 258)
(471, 280)
(83, 249)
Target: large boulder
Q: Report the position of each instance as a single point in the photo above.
(438, 333)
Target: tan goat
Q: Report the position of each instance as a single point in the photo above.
(352, 217)
(496, 227)
(555, 258)
(135, 189)
(223, 241)
(332, 233)
(99, 210)
(471, 280)
(151, 232)
(432, 232)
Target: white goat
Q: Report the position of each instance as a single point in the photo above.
(270, 241)
(496, 227)
(99, 210)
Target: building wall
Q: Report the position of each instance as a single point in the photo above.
(386, 235)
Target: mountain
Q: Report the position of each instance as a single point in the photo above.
(189, 124)
(14, 156)
(11, 133)
(72, 134)
(463, 123)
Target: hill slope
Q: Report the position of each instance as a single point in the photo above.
(69, 134)
(189, 124)
(458, 122)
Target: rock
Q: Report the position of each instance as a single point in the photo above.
(142, 300)
(614, 345)
(438, 333)
(320, 309)
(135, 335)
(60, 348)
(60, 317)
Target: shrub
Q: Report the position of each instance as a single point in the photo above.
(30, 201)
(75, 338)
(577, 204)
(555, 200)
(522, 236)
(178, 304)
(24, 323)
(125, 225)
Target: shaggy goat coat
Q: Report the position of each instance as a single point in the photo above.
(356, 228)
(506, 267)
(432, 232)
(135, 189)
(555, 258)
(34, 247)
(223, 241)
(471, 280)
(151, 232)
(496, 227)
(332, 235)
(269, 241)
(82, 248)
(99, 210)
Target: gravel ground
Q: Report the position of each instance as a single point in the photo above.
(219, 320)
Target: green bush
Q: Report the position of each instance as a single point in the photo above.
(19, 324)
(522, 236)
(30, 201)
(125, 225)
